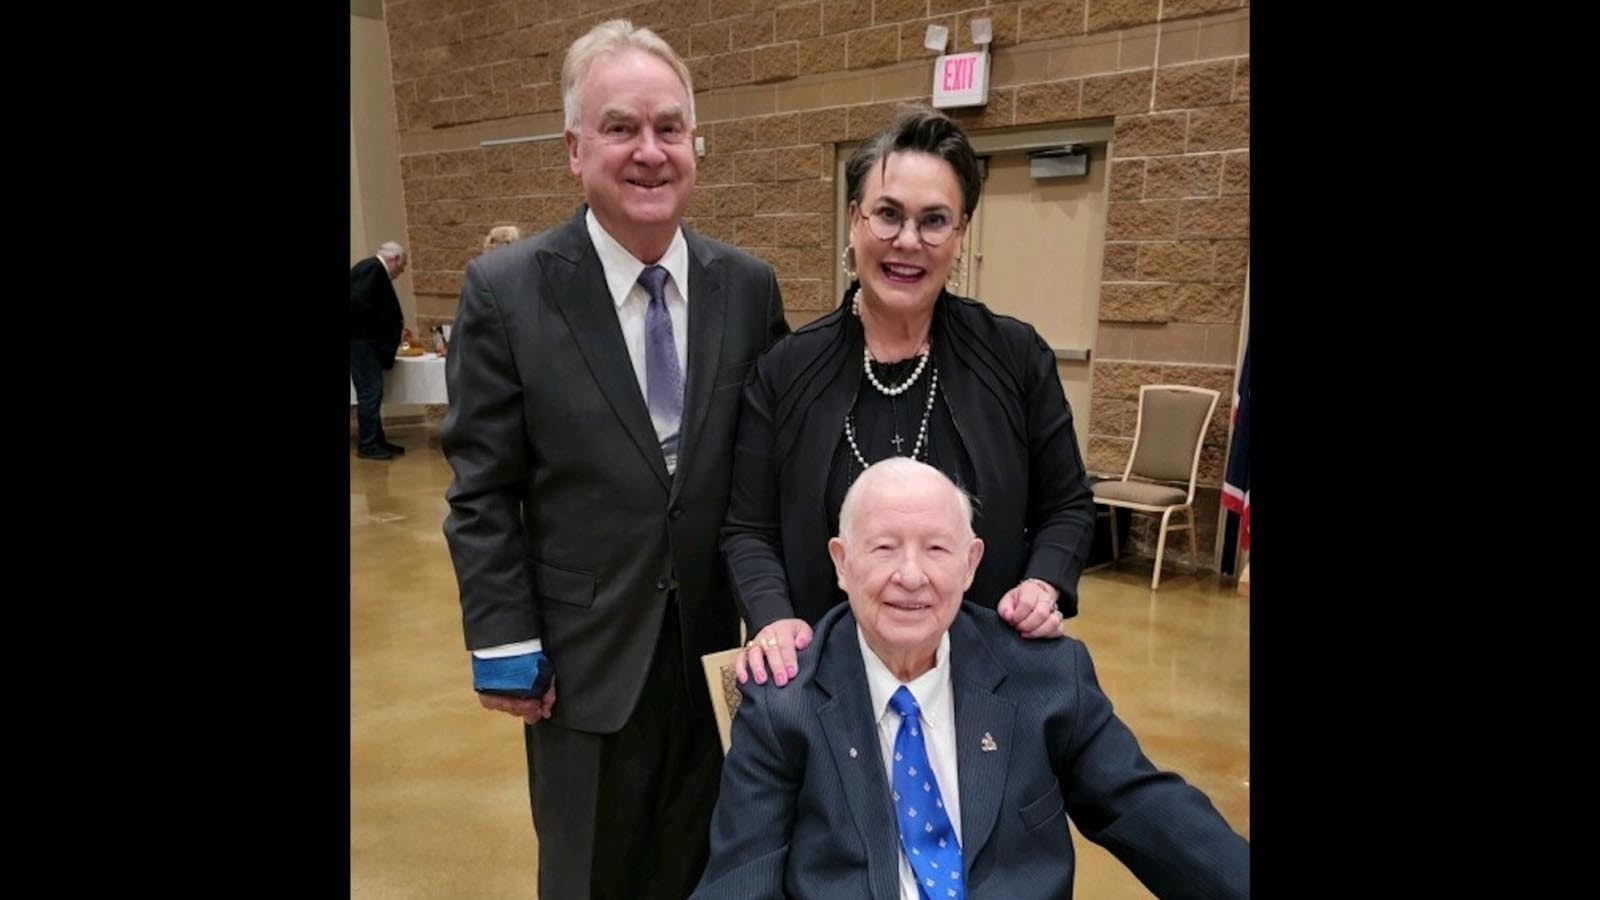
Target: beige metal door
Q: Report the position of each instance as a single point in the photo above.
(1033, 251)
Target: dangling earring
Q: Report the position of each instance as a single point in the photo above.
(958, 274)
(847, 261)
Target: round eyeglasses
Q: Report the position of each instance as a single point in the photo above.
(932, 229)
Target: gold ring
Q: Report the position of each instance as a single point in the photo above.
(769, 641)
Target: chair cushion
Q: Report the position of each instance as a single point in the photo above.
(1170, 423)
(1139, 492)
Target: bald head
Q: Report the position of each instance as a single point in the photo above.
(899, 474)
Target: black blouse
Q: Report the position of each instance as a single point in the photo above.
(878, 419)
(1000, 428)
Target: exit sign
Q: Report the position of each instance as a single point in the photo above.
(961, 79)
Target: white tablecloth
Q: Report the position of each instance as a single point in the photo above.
(414, 379)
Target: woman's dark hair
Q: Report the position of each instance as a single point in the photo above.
(917, 129)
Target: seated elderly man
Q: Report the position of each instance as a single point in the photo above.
(927, 752)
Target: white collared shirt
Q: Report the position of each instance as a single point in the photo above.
(631, 300)
(937, 702)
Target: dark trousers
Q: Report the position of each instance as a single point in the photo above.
(366, 372)
(628, 815)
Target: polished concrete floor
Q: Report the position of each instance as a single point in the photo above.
(438, 791)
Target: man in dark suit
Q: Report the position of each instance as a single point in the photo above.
(928, 751)
(376, 324)
(595, 374)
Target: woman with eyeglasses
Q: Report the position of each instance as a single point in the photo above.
(905, 368)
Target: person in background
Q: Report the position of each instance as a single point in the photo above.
(376, 327)
(501, 236)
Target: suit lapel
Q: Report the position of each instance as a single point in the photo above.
(852, 734)
(980, 714)
(579, 291)
(707, 318)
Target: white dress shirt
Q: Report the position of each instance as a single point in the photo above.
(937, 702)
(631, 301)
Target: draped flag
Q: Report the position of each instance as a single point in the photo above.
(1236, 485)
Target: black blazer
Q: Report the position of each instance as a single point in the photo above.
(375, 308)
(563, 522)
(804, 809)
(1035, 511)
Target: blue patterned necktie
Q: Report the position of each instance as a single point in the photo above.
(926, 836)
(662, 374)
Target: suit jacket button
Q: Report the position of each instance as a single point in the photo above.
(661, 584)
(676, 512)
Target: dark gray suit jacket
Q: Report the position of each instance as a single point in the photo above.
(563, 522)
(800, 815)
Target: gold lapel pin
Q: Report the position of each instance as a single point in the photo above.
(988, 744)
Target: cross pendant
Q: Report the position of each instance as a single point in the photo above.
(897, 440)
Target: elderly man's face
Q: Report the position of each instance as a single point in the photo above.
(908, 559)
(634, 148)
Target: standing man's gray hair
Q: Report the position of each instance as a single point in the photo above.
(609, 37)
(391, 250)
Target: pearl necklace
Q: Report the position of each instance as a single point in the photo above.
(866, 366)
(922, 430)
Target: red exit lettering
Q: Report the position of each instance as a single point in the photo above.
(958, 74)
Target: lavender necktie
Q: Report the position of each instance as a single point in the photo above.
(662, 374)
